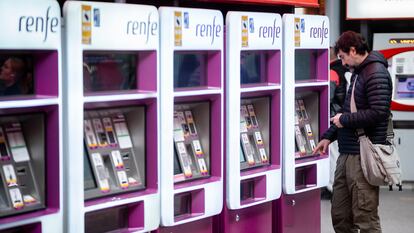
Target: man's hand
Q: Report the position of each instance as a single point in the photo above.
(321, 147)
(335, 120)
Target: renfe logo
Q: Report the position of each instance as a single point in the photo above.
(208, 30)
(39, 24)
(270, 32)
(142, 28)
(319, 32)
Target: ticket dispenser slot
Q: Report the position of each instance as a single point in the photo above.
(254, 132)
(22, 165)
(30, 228)
(191, 141)
(306, 123)
(116, 219)
(305, 177)
(114, 158)
(188, 204)
(252, 190)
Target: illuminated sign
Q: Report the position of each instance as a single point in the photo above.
(401, 41)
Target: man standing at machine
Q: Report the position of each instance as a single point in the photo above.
(355, 201)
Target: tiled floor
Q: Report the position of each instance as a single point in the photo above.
(396, 211)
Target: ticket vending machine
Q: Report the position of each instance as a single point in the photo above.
(306, 117)
(398, 48)
(191, 118)
(30, 117)
(111, 117)
(253, 121)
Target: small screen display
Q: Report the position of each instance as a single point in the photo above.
(16, 74)
(305, 64)
(252, 67)
(189, 69)
(109, 71)
(404, 87)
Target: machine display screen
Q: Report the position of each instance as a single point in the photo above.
(109, 71)
(305, 64)
(252, 67)
(189, 69)
(16, 74)
(404, 87)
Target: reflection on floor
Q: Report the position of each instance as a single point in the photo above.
(396, 211)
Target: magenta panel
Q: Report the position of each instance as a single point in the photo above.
(46, 74)
(322, 65)
(214, 69)
(299, 213)
(152, 145)
(136, 217)
(252, 219)
(273, 67)
(147, 71)
(201, 226)
(275, 128)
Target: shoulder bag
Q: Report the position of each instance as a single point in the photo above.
(380, 163)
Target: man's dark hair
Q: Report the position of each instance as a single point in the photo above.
(350, 39)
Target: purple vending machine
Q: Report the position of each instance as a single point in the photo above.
(253, 121)
(30, 117)
(306, 117)
(191, 118)
(111, 117)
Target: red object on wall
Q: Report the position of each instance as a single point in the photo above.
(388, 53)
(303, 3)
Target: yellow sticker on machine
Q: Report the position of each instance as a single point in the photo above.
(244, 29)
(178, 28)
(297, 32)
(86, 24)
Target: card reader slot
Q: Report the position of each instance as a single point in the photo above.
(110, 172)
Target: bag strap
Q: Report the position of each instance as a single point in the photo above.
(353, 105)
(390, 128)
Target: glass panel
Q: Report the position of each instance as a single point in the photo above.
(192, 139)
(254, 132)
(16, 74)
(306, 123)
(115, 151)
(404, 87)
(253, 67)
(22, 167)
(109, 71)
(190, 69)
(305, 64)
